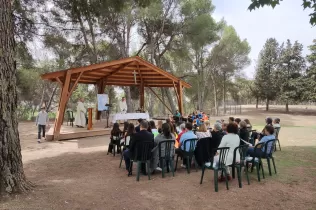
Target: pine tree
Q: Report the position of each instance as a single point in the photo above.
(267, 70)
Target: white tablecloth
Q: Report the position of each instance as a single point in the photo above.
(129, 116)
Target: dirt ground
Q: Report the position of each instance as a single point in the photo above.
(78, 174)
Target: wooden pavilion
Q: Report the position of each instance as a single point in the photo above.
(132, 71)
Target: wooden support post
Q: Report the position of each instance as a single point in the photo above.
(160, 99)
(90, 118)
(176, 91)
(100, 86)
(180, 93)
(62, 105)
(142, 95)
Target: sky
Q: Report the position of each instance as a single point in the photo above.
(287, 21)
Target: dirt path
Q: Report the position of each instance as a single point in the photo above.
(78, 174)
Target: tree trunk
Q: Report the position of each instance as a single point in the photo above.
(287, 106)
(170, 99)
(224, 94)
(267, 104)
(257, 102)
(12, 178)
(215, 95)
(163, 99)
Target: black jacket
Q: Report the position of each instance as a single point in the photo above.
(244, 134)
(137, 139)
(202, 151)
(216, 139)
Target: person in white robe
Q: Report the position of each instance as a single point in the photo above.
(80, 119)
(123, 106)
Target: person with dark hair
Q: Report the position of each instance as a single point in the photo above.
(185, 136)
(153, 128)
(269, 121)
(243, 133)
(231, 119)
(125, 127)
(224, 128)
(268, 131)
(165, 135)
(130, 130)
(232, 141)
(116, 134)
(237, 121)
(137, 139)
(137, 128)
(249, 126)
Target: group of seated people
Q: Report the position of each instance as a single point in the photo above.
(232, 134)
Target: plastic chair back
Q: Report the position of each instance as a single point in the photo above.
(143, 151)
(169, 149)
(242, 152)
(223, 153)
(191, 145)
(270, 144)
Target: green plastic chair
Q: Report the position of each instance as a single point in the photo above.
(146, 154)
(239, 165)
(256, 161)
(221, 166)
(189, 155)
(269, 155)
(277, 141)
(167, 158)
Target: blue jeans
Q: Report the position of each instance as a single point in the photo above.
(127, 158)
(254, 153)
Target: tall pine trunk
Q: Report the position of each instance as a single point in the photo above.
(267, 104)
(257, 102)
(287, 106)
(12, 178)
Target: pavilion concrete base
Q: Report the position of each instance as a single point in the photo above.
(68, 132)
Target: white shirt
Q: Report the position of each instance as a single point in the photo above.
(232, 141)
(123, 106)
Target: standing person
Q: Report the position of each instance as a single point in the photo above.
(138, 138)
(80, 119)
(123, 106)
(41, 122)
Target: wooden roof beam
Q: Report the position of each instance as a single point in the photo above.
(116, 70)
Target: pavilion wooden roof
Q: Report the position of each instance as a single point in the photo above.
(119, 73)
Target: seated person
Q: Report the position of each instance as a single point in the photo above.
(177, 114)
(237, 121)
(203, 132)
(198, 122)
(182, 128)
(231, 119)
(232, 141)
(185, 136)
(116, 134)
(243, 132)
(200, 115)
(142, 136)
(153, 128)
(260, 152)
(217, 135)
(224, 128)
(165, 135)
(249, 126)
(276, 123)
(137, 128)
(205, 117)
(130, 131)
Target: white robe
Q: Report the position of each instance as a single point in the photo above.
(80, 118)
(123, 107)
